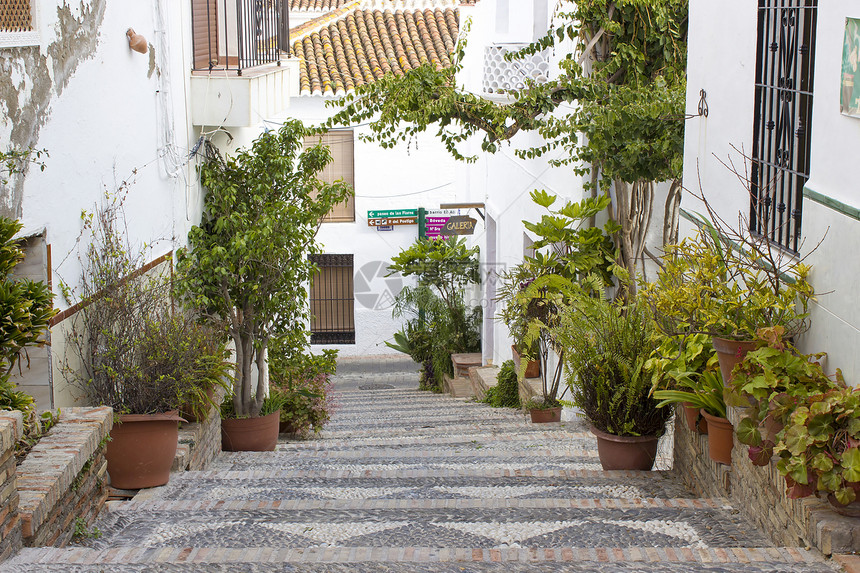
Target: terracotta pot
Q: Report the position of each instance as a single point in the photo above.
(533, 367)
(695, 421)
(250, 434)
(187, 409)
(625, 452)
(141, 450)
(730, 353)
(546, 415)
(721, 436)
(850, 510)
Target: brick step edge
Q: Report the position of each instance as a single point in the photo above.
(135, 555)
(409, 504)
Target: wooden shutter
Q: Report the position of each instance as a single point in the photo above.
(342, 148)
(204, 19)
(15, 16)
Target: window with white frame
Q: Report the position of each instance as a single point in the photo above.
(18, 23)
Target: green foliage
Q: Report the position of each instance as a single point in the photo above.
(709, 284)
(773, 381)
(247, 262)
(608, 350)
(128, 348)
(304, 381)
(506, 392)
(83, 532)
(629, 97)
(16, 161)
(25, 305)
(686, 369)
(439, 323)
(819, 448)
(574, 257)
(35, 427)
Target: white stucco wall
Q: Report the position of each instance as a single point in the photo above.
(724, 65)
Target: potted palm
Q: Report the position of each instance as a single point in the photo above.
(609, 345)
(247, 262)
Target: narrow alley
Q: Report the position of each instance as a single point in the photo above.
(408, 481)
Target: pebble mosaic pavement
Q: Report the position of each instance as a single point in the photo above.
(403, 481)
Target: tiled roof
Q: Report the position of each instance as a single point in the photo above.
(364, 45)
(315, 5)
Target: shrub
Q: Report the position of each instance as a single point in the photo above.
(303, 380)
(506, 392)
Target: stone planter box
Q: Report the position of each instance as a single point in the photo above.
(760, 493)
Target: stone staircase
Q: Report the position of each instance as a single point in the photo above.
(405, 481)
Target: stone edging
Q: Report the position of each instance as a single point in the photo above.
(51, 467)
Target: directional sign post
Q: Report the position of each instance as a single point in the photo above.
(384, 220)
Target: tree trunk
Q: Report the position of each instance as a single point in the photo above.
(634, 206)
(670, 214)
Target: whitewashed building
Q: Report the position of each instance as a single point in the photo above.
(774, 79)
(71, 84)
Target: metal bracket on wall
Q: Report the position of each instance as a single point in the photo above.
(703, 103)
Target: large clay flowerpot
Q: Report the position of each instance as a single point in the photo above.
(533, 367)
(695, 421)
(141, 450)
(546, 415)
(250, 434)
(730, 353)
(721, 435)
(625, 452)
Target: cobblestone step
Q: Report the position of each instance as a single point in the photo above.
(404, 481)
(419, 559)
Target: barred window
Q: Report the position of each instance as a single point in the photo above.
(342, 166)
(332, 300)
(782, 129)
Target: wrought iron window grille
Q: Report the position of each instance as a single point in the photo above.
(783, 118)
(332, 300)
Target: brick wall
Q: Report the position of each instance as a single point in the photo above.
(760, 493)
(10, 521)
(62, 477)
(199, 443)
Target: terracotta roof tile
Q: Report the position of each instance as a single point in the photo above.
(363, 45)
(315, 5)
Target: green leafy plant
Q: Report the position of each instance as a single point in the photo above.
(506, 392)
(305, 381)
(534, 292)
(700, 389)
(773, 382)
(609, 345)
(722, 284)
(247, 262)
(439, 321)
(819, 448)
(83, 532)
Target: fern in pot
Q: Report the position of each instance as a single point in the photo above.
(608, 348)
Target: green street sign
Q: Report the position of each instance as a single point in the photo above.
(392, 213)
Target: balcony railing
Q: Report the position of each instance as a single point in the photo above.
(239, 34)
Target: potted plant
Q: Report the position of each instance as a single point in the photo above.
(129, 350)
(819, 448)
(247, 262)
(535, 291)
(678, 364)
(609, 345)
(771, 383)
(728, 285)
(704, 391)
